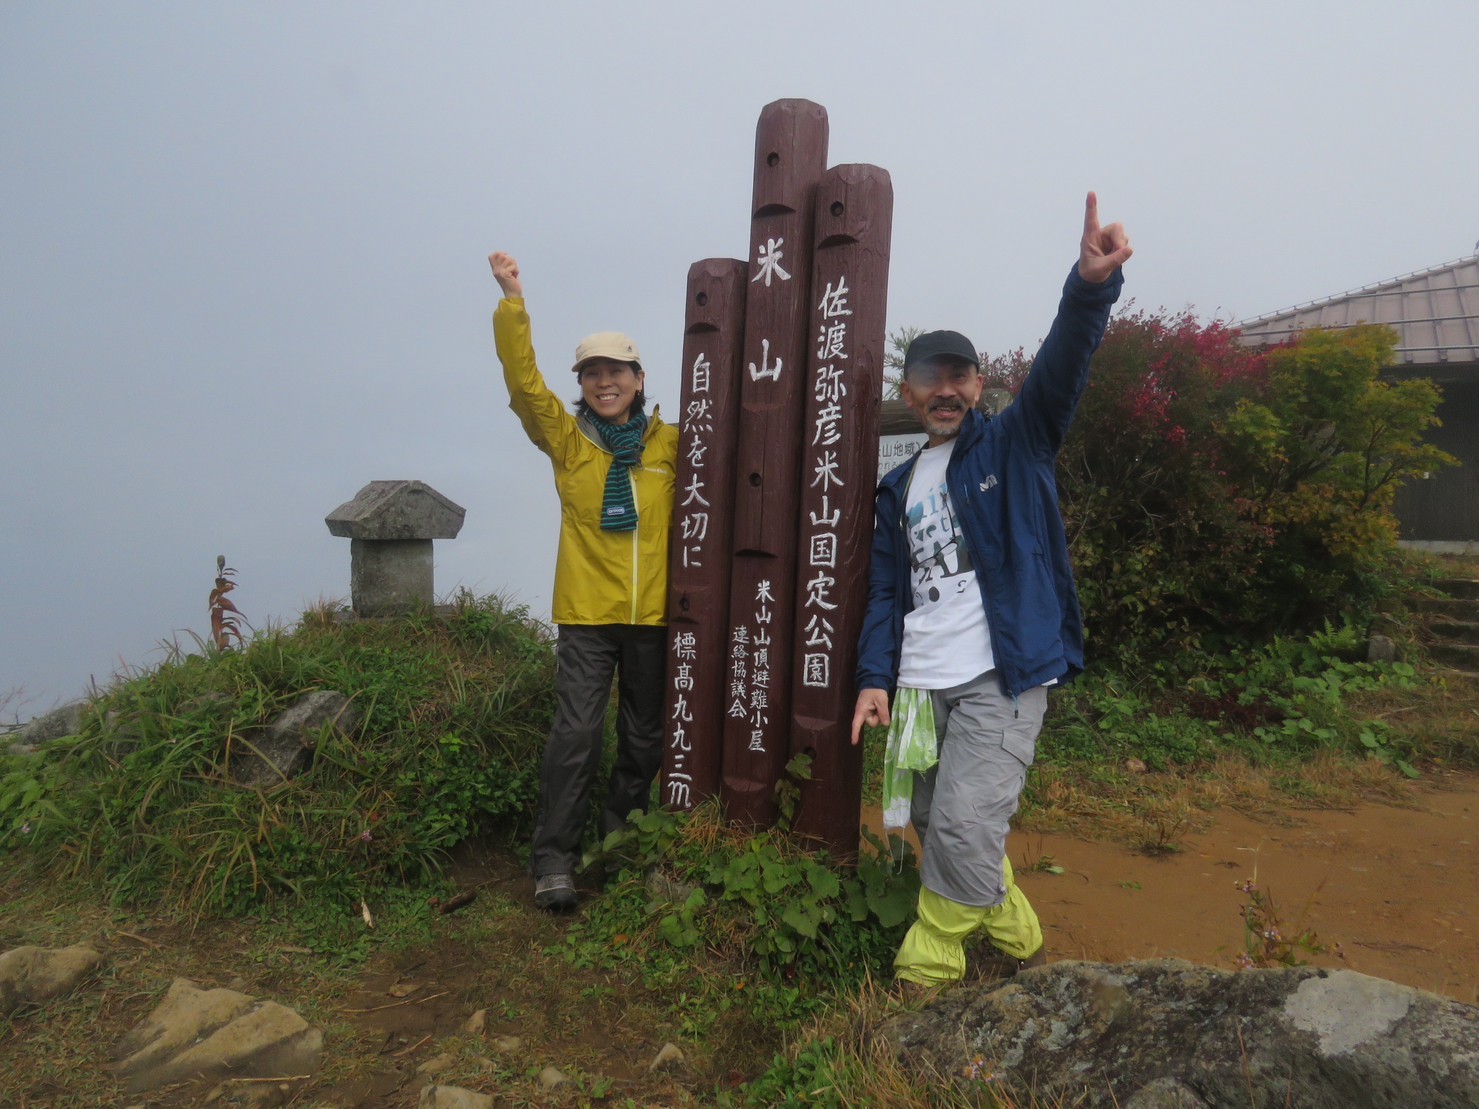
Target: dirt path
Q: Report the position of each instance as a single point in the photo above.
(1396, 888)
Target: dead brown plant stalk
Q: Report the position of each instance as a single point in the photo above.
(226, 618)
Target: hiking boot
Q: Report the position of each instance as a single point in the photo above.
(985, 963)
(1038, 958)
(914, 993)
(555, 893)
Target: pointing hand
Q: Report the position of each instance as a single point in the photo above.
(1102, 249)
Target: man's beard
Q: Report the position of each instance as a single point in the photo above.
(940, 430)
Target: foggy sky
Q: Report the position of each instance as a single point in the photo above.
(243, 246)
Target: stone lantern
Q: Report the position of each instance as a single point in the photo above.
(390, 526)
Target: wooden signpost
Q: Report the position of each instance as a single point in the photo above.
(783, 364)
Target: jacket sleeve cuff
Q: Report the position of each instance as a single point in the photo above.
(1086, 292)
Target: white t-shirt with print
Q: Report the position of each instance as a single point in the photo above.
(947, 639)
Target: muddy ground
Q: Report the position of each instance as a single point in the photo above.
(1392, 890)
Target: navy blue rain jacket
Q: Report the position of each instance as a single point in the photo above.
(1005, 496)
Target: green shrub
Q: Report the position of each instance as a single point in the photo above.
(806, 926)
(1286, 698)
(452, 711)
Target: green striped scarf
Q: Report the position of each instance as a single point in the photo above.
(624, 441)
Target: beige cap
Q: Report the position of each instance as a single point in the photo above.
(606, 344)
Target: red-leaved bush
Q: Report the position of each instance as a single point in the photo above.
(1216, 493)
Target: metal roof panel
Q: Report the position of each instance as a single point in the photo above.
(1435, 313)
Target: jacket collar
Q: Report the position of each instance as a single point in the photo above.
(970, 434)
(973, 427)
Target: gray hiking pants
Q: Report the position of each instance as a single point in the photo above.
(963, 805)
(588, 656)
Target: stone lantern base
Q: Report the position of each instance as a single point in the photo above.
(390, 577)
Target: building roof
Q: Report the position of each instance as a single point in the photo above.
(1435, 313)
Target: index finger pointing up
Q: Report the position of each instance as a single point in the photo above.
(1091, 214)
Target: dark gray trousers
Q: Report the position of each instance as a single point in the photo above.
(588, 657)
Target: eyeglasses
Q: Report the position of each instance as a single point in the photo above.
(944, 557)
(930, 375)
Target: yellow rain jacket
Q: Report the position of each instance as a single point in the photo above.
(601, 577)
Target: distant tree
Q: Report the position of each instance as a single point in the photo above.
(893, 359)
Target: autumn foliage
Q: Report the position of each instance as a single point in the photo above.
(1216, 493)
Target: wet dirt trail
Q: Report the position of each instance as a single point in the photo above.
(1392, 891)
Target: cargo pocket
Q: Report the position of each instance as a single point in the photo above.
(1020, 741)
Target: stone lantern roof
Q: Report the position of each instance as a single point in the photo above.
(397, 510)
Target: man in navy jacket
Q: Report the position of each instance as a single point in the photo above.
(972, 612)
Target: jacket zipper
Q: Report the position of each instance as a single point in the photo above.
(636, 545)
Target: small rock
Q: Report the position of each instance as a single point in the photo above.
(667, 1057)
(476, 1023)
(437, 1063)
(1134, 766)
(284, 748)
(664, 888)
(453, 1097)
(508, 1045)
(31, 975)
(551, 1077)
(403, 989)
(1381, 648)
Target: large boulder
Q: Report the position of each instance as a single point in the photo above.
(55, 724)
(32, 975)
(207, 1035)
(285, 746)
(1166, 1034)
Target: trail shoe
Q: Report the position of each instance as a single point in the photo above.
(913, 993)
(555, 893)
(985, 963)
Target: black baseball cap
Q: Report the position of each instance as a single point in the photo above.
(933, 345)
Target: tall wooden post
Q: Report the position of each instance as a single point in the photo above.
(700, 561)
(849, 297)
(790, 157)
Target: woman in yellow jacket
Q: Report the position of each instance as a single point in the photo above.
(614, 468)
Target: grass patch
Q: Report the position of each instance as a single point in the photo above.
(761, 961)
